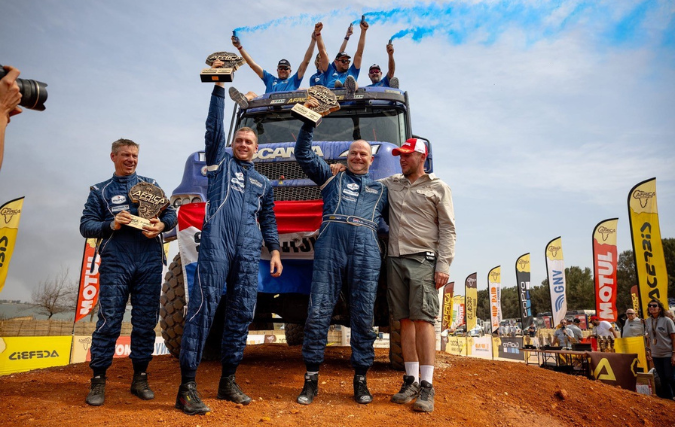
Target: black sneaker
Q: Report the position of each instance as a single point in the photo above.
(229, 390)
(189, 401)
(394, 82)
(96, 395)
(238, 97)
(350, 85)
(140, 387)
(425, 401)
(361, 393)
(409, 390)
(309, 390)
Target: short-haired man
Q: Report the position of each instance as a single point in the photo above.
(576, 330)
(375, 73)
(346, 252)
(563, 335)
(10, 96)
(340, 73)
(131, 264)
(239, 218)
(284, 81)
(602, 328)
(321, 60)
(634, 327)
(421, 249)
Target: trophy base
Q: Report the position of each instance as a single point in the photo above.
(139, 222)
(306, 115)
(210, 75)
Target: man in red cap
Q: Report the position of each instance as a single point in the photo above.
(602, 328)
(421, 249)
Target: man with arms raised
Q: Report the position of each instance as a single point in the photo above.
(239, 218)
(339, 72)
(375, 73)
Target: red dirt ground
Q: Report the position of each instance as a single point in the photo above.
(469, 392)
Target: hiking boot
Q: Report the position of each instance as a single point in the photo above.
(96, 395)
(188, 400)
(140, 387)
(361, 393)
(238, 97)
(229, 390)
(338, 84)
(309, 390)
(350, 85)
(394, 82)
(425, 401)
(409, 390)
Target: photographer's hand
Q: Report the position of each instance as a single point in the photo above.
(10, 96)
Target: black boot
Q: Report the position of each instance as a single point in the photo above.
(96, 395)
(361, 393)
(140, 387)
(189, 401)
(309, 390)
(229, 390)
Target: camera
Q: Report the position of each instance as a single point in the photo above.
(33, 92)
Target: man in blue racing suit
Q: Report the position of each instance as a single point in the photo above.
(131, 264)
(346, 251)
(239, 217)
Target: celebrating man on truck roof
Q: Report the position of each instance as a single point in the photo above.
(375, 73)
(284, 81)
(340, 73)
(321, 61)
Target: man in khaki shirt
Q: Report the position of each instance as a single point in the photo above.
(421, 249)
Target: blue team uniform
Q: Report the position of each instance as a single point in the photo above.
(384, 82)
(317, 78)
(332, 75)
(275, 84)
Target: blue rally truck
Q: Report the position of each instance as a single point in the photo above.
(381, 116)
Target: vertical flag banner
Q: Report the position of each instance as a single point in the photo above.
(605, 260)
(10, 214)
(495, 295)
(523, 280)
(457, 311)
(446, 320)
(634, 296)
(647, 247)
(555, 269)
(471, 298)
(87, 294)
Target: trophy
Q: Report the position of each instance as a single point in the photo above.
(226, 72)
(312, 115)
(151, 201)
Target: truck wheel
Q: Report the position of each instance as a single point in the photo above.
(395, 350)
(173, 309)
(295, 333)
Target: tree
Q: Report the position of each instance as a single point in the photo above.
(55, 295)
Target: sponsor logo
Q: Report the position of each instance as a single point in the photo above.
(643, 196)
(277, 101)
(281, 152)
(146, 196)
(33, 354)
(349, 199)
(523, 263)
(238, 185)
(353, 186)
(300, 99)
(306, 244)
(119, 208)
(606, 285)
(371, 190)
(494, 276)
(86, 343)
(607, 375)
(559, 289)
(8, 213)
(471, 282)
(350, 193)
(255, 182)
(650, 269)
(525, 298)
(553, 250)
(90, 286)
(605, 232)
(116, 200)
(239, 175)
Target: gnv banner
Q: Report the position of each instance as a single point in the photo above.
(495, 294)
(605, 258)
(555, 268)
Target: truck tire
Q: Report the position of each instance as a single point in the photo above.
(295, 333)
(173, 309)
(395, 350)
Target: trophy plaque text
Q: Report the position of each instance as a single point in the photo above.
(151, 201)
(312, 115)
(226, 72)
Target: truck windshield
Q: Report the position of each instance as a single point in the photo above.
(386, 124)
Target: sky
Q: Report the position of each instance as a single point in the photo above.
(542, 114)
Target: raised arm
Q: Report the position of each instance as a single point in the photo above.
(362, 44)
(255, 67)
(310, 50)
(350, 31)
(214, 139)
(392, 64)
(314, 166)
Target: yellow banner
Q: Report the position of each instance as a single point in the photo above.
(20, 354)
(456, 346)
(633, 345)
(471, 305)
(647, 245)
(10, 213)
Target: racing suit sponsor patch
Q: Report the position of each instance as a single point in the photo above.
(120, 208)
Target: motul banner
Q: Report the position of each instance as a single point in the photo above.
(495, 295)
(647, 247)
(471, 297)
(555, 269)
(446, 319)
(523, 280)
(605, 259)
(10, 214)
(457, 311)
(87, 294)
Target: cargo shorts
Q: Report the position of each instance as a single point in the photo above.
(411, 291)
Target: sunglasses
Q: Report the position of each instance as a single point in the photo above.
(374, 71)
(283, 68)
(652, 305)
(345, 61)
(630, 314)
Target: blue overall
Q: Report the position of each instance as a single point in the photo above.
(130, 264)
(346, 251)
(239, 217)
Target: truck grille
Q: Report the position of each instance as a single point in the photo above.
(283, 193)
(290, 170)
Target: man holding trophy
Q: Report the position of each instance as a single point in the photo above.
(132, 255)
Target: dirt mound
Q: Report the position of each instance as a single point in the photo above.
(469, 392)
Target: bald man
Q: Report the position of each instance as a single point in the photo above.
(346, 253)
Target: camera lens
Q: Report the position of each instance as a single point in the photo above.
(33, 94)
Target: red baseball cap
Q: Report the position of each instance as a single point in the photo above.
(413, 145)
(594, 318)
